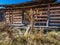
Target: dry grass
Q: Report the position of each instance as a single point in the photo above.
(12, 37)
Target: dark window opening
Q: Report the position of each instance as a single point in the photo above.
(2, 16)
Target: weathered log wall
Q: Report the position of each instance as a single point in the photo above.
(14, 16)
(46, 15)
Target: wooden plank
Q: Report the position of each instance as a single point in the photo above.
(55, 7)
(55, 17)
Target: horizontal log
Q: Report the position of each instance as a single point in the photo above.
(55, 7)
(55, 17)
(40, 18)
(40, 22)
(40, 15)
(55, 14)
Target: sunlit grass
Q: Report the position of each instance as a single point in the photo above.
(12, 37)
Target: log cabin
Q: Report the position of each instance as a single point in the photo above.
(40, 15)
